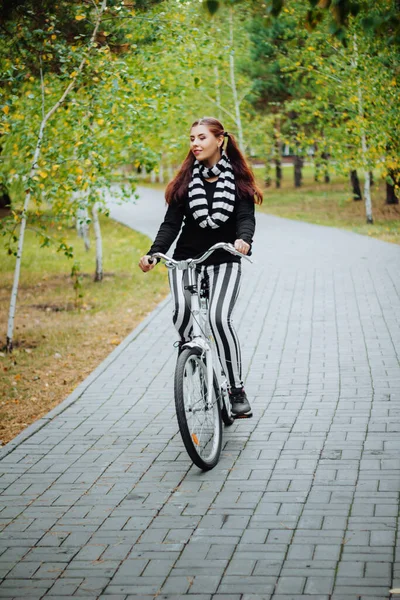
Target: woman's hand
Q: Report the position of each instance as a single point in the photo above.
(242, 246)
(145, 265)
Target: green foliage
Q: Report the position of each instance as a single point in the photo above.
(93, 133)
(377, 18)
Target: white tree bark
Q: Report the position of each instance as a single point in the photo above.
(82, 227)
(218, 93)
(45, 119)
(153, 176)
(233, 83)
(364, 145)
(98, 276)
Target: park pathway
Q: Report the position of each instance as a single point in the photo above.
(101, 501)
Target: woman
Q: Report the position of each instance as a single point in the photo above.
(213, 195)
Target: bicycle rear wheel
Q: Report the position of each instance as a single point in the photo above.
(200, 424)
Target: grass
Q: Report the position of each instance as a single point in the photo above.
(61, 334)
(331, 205)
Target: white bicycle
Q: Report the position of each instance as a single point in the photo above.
(200, 386)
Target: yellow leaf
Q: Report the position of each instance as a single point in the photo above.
(6, 109)
(100, 121)
(53, 37)
(74, 74)
(79, 17)
(42, 174)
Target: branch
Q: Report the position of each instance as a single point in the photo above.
(219, 105)
(313, 70)
(42, 86)
(245, 94)
(80, 68)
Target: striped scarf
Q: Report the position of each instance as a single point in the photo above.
(224, 196)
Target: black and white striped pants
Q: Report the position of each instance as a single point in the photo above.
(224, 284)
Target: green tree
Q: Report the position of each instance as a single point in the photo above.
(51, 111)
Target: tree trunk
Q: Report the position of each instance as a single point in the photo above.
(367, 196)
(364, 146)
(298, 174)
(325, 158)
(355, 184)
(161, 174)
(98, 276)
(317, 164)
(233, 84)
(82, 226)
(218, 93)
(391, 197)
(277, 153)
(278, 172)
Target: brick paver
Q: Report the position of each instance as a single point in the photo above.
(99, 499)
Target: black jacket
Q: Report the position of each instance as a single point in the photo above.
(195, 240)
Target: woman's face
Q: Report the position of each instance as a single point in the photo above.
(204, 145)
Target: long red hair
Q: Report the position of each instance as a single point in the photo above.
(245, 183)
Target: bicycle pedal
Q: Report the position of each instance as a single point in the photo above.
(246, 416)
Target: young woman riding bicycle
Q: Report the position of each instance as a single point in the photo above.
(213, 196)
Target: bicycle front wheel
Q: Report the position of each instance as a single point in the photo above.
(199, 422)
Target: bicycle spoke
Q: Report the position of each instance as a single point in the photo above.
(199, 415)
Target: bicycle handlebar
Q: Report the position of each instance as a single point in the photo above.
(192, 262)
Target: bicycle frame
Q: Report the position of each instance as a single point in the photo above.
(200, 339)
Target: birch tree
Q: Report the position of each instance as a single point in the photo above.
(363, 134)
(99, 246)
(46, 118)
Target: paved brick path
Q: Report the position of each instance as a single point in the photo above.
(101, 501)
